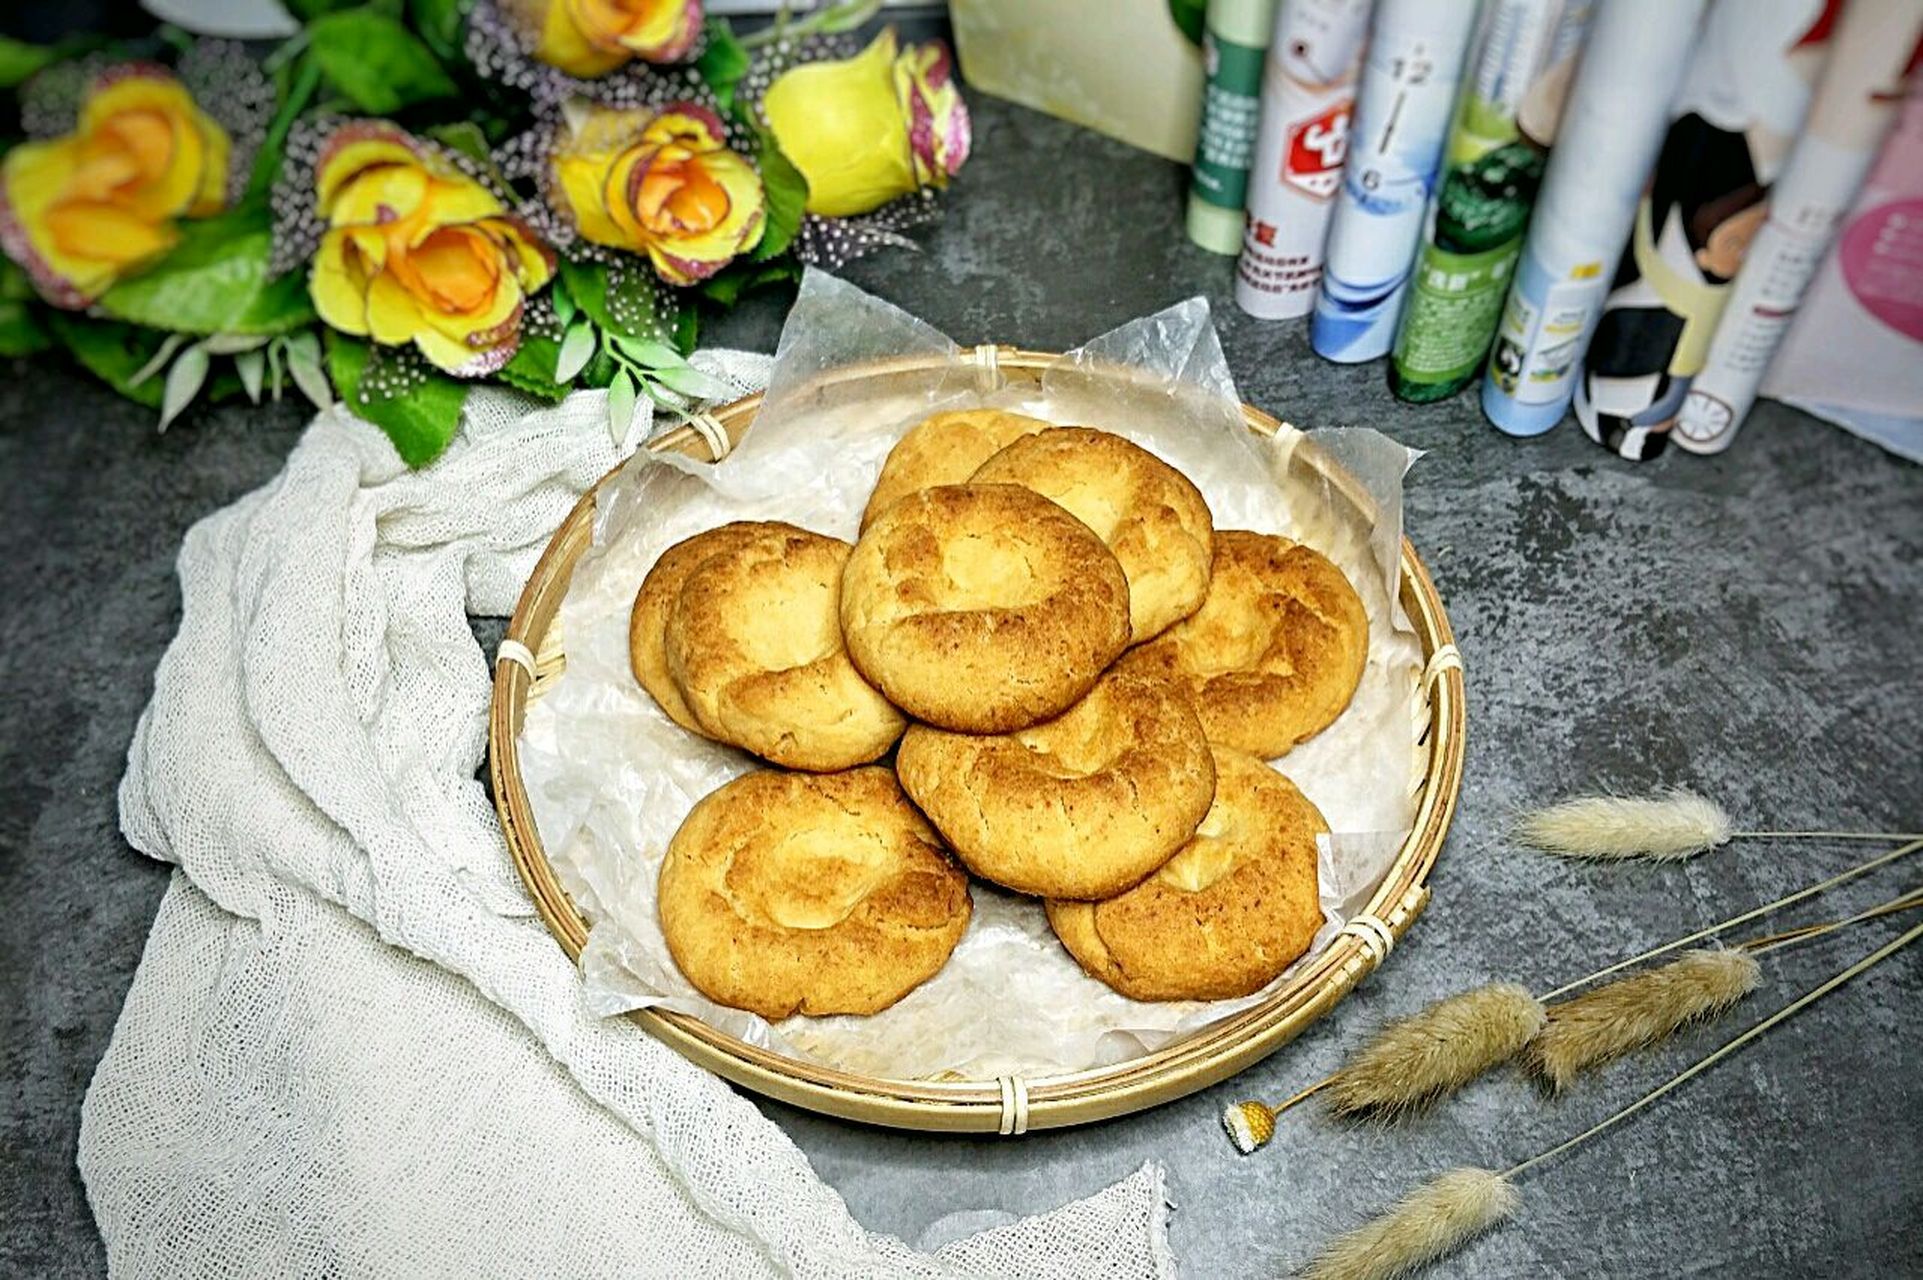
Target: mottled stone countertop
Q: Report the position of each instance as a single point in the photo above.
(1747, 625)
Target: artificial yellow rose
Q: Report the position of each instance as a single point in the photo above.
(416, 251)
(590, 38)
(863, 131)
(663, 183)
(88, 208)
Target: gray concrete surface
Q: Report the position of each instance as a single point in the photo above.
(1746, 625)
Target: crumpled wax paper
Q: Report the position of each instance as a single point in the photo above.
(610, 777)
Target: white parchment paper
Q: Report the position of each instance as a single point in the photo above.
(610, 777)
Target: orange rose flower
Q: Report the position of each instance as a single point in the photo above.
(84, 210)
(589, 38)
(416, 251)
(663, 183)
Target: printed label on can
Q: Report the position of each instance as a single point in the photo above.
(1230, 112)
(1538, 346)
(1312, 162)
(1455, 304)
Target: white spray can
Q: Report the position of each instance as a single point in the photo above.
(1308, 88)
(1416, 50)
(1614, 122)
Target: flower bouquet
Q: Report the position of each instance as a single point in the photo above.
(403, 199)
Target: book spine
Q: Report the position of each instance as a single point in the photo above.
(1741, 105)
(1849, 121)
(1611, 128)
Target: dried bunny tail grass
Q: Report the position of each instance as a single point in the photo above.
(1431, 1222)
(1678, 825)
(1637, 1011)
(1418, 1059)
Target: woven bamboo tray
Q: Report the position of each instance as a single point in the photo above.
(533, 656)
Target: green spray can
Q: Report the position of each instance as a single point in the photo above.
(1505, 119)
(1233, 47)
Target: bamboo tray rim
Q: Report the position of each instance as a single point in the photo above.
(1009, 1105)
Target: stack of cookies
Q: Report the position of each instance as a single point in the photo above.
(1080, 680)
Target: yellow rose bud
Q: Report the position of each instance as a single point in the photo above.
(663, 183)
(416, 251)
(590, 38)
(84, 210)
(866, 130)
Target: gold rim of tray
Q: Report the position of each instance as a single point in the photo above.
(997, 1105)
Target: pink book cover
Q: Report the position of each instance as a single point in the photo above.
(1857, 343)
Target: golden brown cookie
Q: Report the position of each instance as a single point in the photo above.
(755, 648)
(648, 623)
(789, 893)
(1149, 514)
(983, 608)
(1081, 806)
(945, 448)
(1276, 650)
(1227, 914)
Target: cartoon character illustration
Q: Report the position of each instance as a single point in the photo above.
(1737, 114)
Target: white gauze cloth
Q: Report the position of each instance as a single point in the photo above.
(352, 1048)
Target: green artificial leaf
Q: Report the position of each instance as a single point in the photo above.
(691, 382)
(623, 301)
(577, 348)
(600, 371)
(308, 10)
(650, 354)
(441, 24)
(787, 196)
(621, 397)
(723, 62)
(465, 137)
(304, 368)
(532, 368)
(282, 305)
(297, 84)
(113, 352)
(727, 286)
(687, 327)
(1188, 15)
(215, 281)
(372, 61)
(252, 368)
(18, 60)
(672, 401)
(158, 361)
(587, 285)
(21, 332)
(420, 421)
(184, 380)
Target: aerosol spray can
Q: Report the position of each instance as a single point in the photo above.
(1741, 104)
(1505, 121)
(1854, 108)
(1308, 90)
(1409, 79)
(1235, 36)
(1617, 112)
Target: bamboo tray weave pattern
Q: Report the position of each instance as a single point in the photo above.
(533, 654)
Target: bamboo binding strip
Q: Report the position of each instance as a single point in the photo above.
(532, 655)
